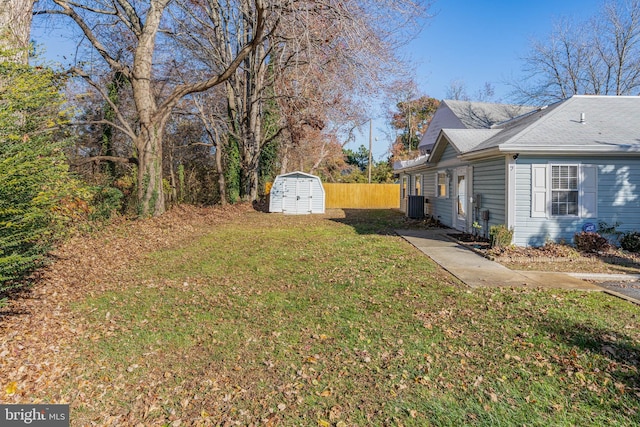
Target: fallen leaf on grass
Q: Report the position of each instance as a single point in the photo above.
(492, 396)
(11, 388)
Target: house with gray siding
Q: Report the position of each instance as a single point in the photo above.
(547, 174)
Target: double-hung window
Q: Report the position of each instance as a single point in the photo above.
(564, 190)
(442, 185)
(417, 186)
(403, 194)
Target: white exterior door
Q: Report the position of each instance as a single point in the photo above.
(461, 199)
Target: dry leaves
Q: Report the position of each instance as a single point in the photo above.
(37, 327)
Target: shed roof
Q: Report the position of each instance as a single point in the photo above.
(308, 175)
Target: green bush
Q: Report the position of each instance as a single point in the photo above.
(630, 241)
(106, 202)
(501, 236)
(38, 195)
(590, 242)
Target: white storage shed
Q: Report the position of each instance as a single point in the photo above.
(297, 193)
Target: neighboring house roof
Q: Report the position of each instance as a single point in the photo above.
(453, 114)
(482, 115)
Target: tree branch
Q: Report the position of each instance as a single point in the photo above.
(88, 33)
(186, 89)
(125, 126)
(98, 159)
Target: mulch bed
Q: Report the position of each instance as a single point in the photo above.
(554, 257)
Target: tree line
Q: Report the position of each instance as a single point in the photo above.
(223, 92)
(179, 101)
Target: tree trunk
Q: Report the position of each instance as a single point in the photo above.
(284, 160)
(15, 27)
(173, 196)
(150, 194)
(149, 139)
(250, 182)
(222, 183)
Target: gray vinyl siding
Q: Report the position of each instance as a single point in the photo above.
(429, 186)
(489, 182)
(429, 183)
(443, 207)
(619, 193)
(449, 154)
(618, 200)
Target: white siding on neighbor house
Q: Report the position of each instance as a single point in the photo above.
(618, 200)
(489, 182)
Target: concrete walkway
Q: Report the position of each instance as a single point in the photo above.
(477, 271)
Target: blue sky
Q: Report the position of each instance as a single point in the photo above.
(478, 41)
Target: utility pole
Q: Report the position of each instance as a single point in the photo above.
(370, 139)
(409, 118)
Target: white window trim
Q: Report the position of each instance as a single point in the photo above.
(417, 179)
(446, 184)
(551, 190)
(404, 187)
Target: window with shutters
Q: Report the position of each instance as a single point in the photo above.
(564, 190)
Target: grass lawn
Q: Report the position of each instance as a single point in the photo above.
(265, 319)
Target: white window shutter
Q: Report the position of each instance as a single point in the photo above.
(539, 191)
(589, 191)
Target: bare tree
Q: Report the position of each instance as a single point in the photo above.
(600, 57)
(141, 24)
(316, 58)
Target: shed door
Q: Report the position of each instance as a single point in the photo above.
(298, 195)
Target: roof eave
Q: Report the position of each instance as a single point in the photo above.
(412, 168)
(555, 150)
(480, 154)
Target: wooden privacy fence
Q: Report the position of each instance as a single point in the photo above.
(362, 196)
